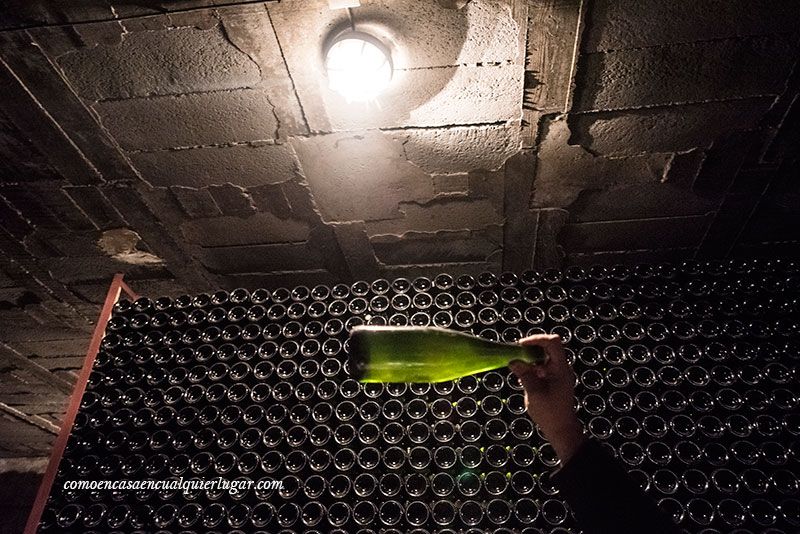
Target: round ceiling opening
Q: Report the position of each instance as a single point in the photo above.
(359, 67)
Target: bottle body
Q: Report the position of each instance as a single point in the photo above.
(413, 354)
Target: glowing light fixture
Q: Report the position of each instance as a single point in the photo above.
(359, 67)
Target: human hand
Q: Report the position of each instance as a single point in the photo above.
(550, 395)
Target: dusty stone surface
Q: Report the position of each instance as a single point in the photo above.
(638, 201)
(669, 129)
(192, 119)
(100, 269)
(448, 246)
(635, 234)
(617, 24)
(260, 258)
(463, 149)
(232, 200)
(262, 228)
(364, 177)
(694, 72)
(451, 183)
(563, 171)
(170, 61)
(246, 165)
(441, 213)
(196, 203)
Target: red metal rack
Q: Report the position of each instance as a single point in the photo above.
(117, 287)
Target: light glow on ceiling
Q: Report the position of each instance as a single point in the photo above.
(359, 67)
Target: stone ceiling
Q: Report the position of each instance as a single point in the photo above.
(194, 145)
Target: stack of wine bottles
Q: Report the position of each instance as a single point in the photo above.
(686, 373)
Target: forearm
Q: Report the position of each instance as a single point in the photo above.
(604, 498)
(566, 438)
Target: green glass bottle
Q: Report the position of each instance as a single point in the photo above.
(423, 354)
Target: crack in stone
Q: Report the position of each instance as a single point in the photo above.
(443, 126)
(503, 63)
(278, 123)
(247, 196)
(256, 143)
(437, 199)
(156, 96)
(226, 34)
(619, 112)
(411, 234)
(288, 70)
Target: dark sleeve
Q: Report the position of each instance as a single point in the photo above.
(604, 498)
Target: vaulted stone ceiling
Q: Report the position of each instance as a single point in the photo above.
(194, 145)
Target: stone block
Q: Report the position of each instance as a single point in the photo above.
(447, 246)
(442, 213)
(6, 280)
(488, 185)
(357, 250)
(451, 183)
(99, 269)
(469, 95)
(722, 163)
(618, 24)
(23, 200)
(63, 244)
(774, 220)
(196, 203)
(62, 206)
(638, 201)
(548, 252)
(753, 181)
(12, 297)
(191, 119)
(250, 29)
(550, 48)
(54, 117)
(56, 347)
(261, 228)
(684, 168)
(232, 200)
(664, 129)
(519, 230)
(727, 226)
(168, 61)
(93, 203)
(635, 234)
(695, 72)
(22, 160)
(270, 198)
(462, 149)
(259, 258)
(563, 171)
(65, 363)
(362, 177)
(245, 165)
